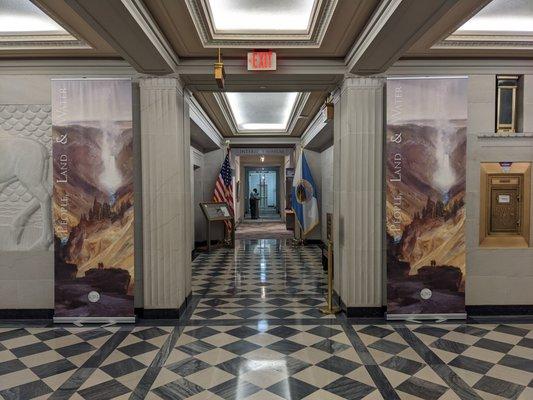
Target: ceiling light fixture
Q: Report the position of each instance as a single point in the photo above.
(262, 111)
(23, 17)
(219, 72)
(258, 15)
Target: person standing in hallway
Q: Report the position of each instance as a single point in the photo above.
(254, 197)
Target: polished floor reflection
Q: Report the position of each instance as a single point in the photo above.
(253, 330)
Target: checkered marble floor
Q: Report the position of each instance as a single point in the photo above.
(253, 330)
(263, 268)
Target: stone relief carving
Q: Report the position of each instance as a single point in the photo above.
(25, 177)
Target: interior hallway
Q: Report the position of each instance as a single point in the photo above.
(263, 229)
(253, 330)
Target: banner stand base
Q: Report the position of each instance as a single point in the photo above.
(414, 317)
(94, 320)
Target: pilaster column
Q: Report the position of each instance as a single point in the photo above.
(358, 141)
(165, 149)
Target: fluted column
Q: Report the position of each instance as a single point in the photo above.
(358, 141)
(165, 149)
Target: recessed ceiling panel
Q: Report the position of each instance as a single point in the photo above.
(261, 23)
(261, 112)
(24, 26)
(501, 24)
(23, 17)
(502, 16)
(274, 16)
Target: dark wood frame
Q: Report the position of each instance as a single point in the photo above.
(222, 218)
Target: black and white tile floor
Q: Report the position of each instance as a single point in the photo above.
(253, 331)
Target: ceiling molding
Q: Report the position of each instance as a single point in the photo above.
(377, 22)
(201, 66)
(198, 115)
(128, 38)
(65, 40)
(291, 76)
(201, 16)
(142, 16)
(73, 67)
(314, 128)
(459, 67)
(225, 108)
(41, 42)
(264, 140)
(503, 42)
(393, 28)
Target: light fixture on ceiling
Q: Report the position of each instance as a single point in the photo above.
(219, 72)
(262, 111)
(23, 17)
(501, 16)
(256, 16)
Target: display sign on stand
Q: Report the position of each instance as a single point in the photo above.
(214, 212)
(93, 200)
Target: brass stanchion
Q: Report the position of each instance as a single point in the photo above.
(330, 309)
(296, 242)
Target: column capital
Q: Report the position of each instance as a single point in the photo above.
(362, 82)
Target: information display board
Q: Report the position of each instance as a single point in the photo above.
(425, 197)
(214, 212)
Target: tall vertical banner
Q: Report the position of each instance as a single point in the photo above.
(425, 197)
(93, 199)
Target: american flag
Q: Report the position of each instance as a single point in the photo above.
(224, 187)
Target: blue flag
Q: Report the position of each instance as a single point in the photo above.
(304, 198)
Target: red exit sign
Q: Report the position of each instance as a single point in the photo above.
(261, 61)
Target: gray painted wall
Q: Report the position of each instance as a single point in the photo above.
(494, 276)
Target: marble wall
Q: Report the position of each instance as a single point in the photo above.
(357, 191)
(166, 193)
(26, 275)
(494, 276)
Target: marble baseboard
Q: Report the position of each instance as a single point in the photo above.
(359, 312)
(26, 313)
(499, 310)
(163, 313)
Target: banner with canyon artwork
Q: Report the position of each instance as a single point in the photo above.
(425, 196)
(93, 199)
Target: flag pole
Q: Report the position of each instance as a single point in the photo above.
(228, 236)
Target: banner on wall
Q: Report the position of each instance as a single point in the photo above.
(93, 200)
(425, 197)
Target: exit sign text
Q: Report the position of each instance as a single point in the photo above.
(261, 61)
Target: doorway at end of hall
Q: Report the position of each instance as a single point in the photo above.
(265, 181)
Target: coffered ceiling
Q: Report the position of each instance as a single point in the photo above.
(480, 29)
(324, 28)
(317, 43)
(48, 28)
(249, 113)
(267, 114)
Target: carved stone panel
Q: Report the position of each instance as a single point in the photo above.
(25, 177)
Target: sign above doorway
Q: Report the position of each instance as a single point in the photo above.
(261, 60)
